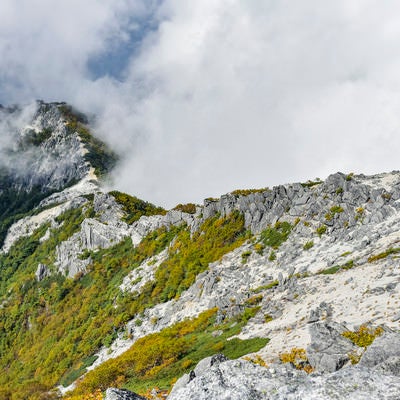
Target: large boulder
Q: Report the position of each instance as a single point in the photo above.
(243, 380)
(121, 394)
(384, 354)
(329, 350)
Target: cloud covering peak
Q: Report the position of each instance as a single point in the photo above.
(207, 96)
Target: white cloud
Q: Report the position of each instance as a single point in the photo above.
(224, 93)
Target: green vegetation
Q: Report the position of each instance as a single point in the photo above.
(339, 190)
(337, 268)
(245, 256)
(298, 358)
(267, 318)
(99, 154)
(16, 204)
(332, 211)
(276, 235)
(364, 336)
(321, 230)
(266, 287)
(188, 208)
(308, 245)
(259, 248)
(349, 177)
(254, 300)
(387, 253)
(310, 184)
(246, 192)
(134, 207)
(58, 324)
(331, 270)
(272, 256)
(191, 255)
(36, 138)
(159, 358)
(336, 209)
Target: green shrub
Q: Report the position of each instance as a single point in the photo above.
(310, 184)
(275, 236)
(321, 230)
(298, 358)
(189, 208)
(245, 256)
(159, 358)
(308, 245)
(246, 192)
(259, 248)
(364, 336)
(134, 207)
(337, 268)
(266, 287)
(384, 254)
(336, 209)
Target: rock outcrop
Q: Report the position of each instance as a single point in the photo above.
(121, 394)
(243, 380)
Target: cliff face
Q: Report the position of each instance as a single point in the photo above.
(49, 149)
(104, 286)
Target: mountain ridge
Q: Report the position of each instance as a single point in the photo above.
(101, 289)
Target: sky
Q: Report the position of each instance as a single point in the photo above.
(204, 97)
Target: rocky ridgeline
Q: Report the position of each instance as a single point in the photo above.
(45, 153)
(361, 218)
(337, 270)
(312, 201)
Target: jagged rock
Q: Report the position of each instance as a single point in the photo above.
(242, 380)
(322, 312)
(121, 394)
(383, 354)
(207, 363)
(41, 272)
(144, 225)
(67, 254)
(95, 234)
(201, 368)
(329, 350)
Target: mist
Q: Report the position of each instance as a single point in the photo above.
(202, 98)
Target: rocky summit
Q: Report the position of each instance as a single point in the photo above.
(276, 293)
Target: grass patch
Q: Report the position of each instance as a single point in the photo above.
(387, 253)
(265, 287)
(188, 208)
(276, 235)
(308, 245)
(321, 230)
(246, 192)
(337, 268)
(310, 184)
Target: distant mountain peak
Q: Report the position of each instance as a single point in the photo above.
(50, 147)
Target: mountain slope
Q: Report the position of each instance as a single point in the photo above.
(52, 151)
(136, 295)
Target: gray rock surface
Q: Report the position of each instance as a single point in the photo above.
(384, 354)
(242, 380)
(121, 394)
(328, 351)
(41, 272)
